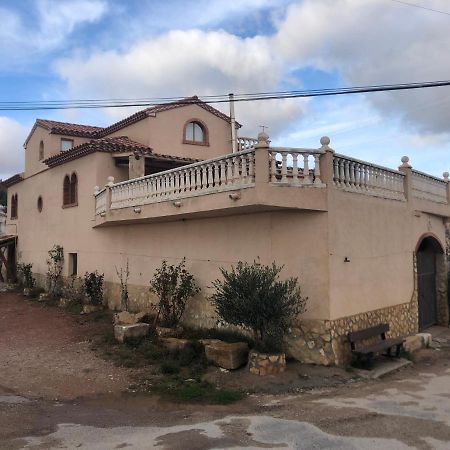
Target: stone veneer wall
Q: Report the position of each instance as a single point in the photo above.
(325, 342)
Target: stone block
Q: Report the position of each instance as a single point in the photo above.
(266, 364)
(168, 332)
(64, 302)
(172, 343)
(426, 338)
(137, 330)
(226, 355)
(413, 343)
(89, 309)
(44, 297)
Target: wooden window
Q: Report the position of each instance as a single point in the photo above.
(14, 206)
(195, 132)
(66, 193)
(41, 151)
(66, 144)
(74, 189)
(70, 191)
(73, 264)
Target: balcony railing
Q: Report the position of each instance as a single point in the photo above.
(360, 176)
(234, 171)
(267, 166)
(427, 187)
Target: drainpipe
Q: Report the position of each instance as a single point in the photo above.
(233, 124)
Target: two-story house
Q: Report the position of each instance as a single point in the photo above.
(366, 242)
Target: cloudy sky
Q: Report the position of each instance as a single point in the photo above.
(84, 49)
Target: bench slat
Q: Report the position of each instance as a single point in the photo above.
(380, 346)
(368, 333)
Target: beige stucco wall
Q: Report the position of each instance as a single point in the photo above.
(52, 146)
(378, 236)
(164, 133)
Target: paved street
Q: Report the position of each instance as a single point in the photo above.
(55, 393)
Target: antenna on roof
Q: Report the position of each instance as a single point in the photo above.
(233, 124)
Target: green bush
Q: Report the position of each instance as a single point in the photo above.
(253, 297)
(170, 368)
(72, 289)
(93, 287)
(25, 273)
(174, 285)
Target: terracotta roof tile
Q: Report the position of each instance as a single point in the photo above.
(119, 144)
(12, 180)
(140, 115)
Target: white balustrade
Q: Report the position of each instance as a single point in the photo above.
(295, 166)
(230, 172)
(427, 187)
(359, 176)
(100, 202)
(246, 143)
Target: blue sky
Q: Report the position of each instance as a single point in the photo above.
(67, 49)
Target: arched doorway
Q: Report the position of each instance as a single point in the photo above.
(427, 253)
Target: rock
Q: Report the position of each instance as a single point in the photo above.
(89, 309)
(137, 330)
(64, 302)
(172, 343)
(266, 364)
(27, 292)
(44, 297)
(206, 342)
(168, 332)
(226, 355)
(124, 318)
(413, 343)
(426, 338)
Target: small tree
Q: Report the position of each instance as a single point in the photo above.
(93, 287)
(26, 278)
(55, 264)
(123, 275)
(253, 297)
(72, 289)
(174, 285)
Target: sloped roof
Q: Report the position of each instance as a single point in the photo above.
(118, 144)
(13, 180)
(65, 128)
(140, 115)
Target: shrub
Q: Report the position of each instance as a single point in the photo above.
(25, 273)
(55, 263)
(174, 285)
(253, 297)
(93, 287)
(123, 275)
(72, 289)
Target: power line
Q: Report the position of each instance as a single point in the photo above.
(421, 7)
(222, 98)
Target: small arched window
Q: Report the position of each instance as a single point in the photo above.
(41, 151)
(14, 206)
(195, 132)
(74, 189)
(70, 190)
(40, 204)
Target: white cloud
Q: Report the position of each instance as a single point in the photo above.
(53, 21)
(182, 63)
(12, 136)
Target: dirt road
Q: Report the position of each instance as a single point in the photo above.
(43, 359)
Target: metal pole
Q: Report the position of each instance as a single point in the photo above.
(233, 124)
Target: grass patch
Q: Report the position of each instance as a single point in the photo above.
(192, 391)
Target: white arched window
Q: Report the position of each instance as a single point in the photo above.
(195, 132)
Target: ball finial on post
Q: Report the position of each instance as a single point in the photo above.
(325, 141)
(445, 175)
(405, 162)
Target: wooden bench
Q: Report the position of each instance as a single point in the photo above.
(364, 353)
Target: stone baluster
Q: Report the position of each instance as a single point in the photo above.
(283, 167)
(306, 176)
(317, 179)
